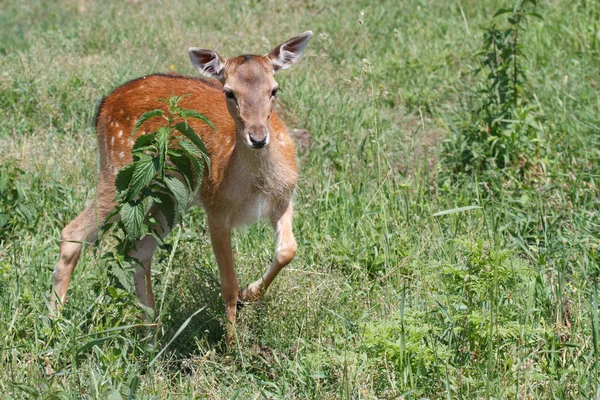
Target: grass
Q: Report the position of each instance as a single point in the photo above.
(384, 300)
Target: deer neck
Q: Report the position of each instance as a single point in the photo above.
(265, 170)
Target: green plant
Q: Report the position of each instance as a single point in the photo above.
(16, 209)
(158, 158)
(502, 130)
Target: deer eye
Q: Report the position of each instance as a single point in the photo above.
(274, 92)
(229, 94)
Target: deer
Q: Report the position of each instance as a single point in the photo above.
(252, 175)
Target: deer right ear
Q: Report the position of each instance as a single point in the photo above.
(207, 62)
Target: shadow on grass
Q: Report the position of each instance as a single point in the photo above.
(193, 289)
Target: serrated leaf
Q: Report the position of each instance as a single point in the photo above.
(132, 216)
(177, 188)
(124, 177)
(197, 115)
(122, 276)
(144, 172)
(190, 148)
(183, 166)
(162, 141)
(191, 152)
(143, 142)
(188, 132)
(146, 116)
(168, 208)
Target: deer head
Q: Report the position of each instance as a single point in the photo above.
(249, 85)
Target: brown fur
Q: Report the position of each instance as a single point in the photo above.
(275, 172)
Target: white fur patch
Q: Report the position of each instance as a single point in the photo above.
(262, 206)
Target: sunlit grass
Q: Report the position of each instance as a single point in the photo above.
(384, 299)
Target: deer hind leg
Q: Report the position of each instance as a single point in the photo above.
(143, 253)
(83, 229)
(285, 250)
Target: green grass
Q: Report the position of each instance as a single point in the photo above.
(384, 299)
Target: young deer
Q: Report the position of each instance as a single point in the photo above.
(253, 167)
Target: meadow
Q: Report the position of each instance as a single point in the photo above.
(438, 257)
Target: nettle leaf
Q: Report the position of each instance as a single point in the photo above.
(166, 169)
(132, 216)
(193, 156)
(123, 276)
(184, 166)
(144, 172)
(124, 177)
(190, 149)
(145, 117)
(177, 188)
(168, 207)
(143, 142)
(162, 141)
(189, 133)
(195, 114)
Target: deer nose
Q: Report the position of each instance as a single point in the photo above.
(258, 143)
(259, 138)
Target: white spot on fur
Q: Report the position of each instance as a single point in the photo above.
(120, 133)
(112, 141)
(117, 124)
(121, 155)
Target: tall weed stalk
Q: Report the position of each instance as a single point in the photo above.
(501, 130)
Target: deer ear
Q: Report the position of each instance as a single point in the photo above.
(286, 54)
(207, 62)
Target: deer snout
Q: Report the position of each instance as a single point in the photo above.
(258, 137)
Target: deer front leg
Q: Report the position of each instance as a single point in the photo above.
(285, 250)
(220, 237)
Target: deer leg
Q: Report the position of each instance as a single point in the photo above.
(143, 253)
(83, 229)
(285, 250)
(220, 237)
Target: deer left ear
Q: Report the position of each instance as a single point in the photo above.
(207, 62)
(286, 54)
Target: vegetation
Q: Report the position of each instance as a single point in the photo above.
(448, 210)
(174, 149)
